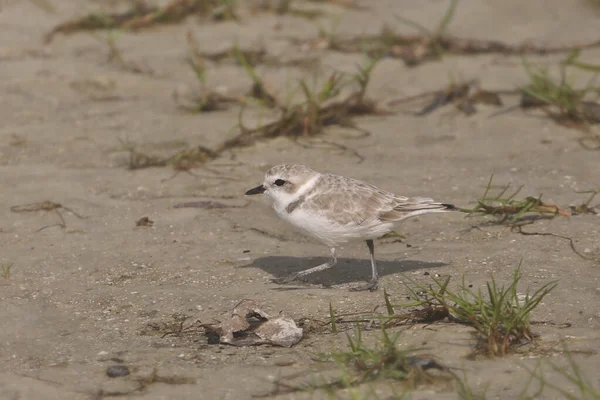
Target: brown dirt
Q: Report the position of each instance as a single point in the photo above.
(80, 299)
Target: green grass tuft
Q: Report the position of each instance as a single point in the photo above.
(499, 314)
(508, 209)
(6, 270)
(580, 387)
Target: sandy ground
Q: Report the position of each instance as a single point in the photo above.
(81, 299)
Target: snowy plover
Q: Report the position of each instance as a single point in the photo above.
(336, 210)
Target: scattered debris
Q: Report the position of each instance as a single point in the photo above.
(144, 221)
(141, 381)
(586, 208)
(96, 88)
(181, 161)
(44, 5)
(46, 206)
(562, 102)
(17, 140)
(250, 326)
(187, 159)
(242, 57)
(565, 104)
(155, 377)
(142, 16)
(516, 214)
(285, 8)
(519, 229)
(176, 326)
(464, 96)
(253, 57)
(591, 142)
(258, 56)
(204, 101)
(7, 54)
(429, 45)
(360, 364)
(115, 56)
(271, 235)
(351, 4)
(115, 371)
(206, 204)
(510, 211)
(139, 160)
(321, 107)
(426, 315)
(207, 100)
(6, 270)
(501, 317)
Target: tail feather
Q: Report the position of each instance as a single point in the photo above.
(450, 207)
(423, 203)
(416, 206)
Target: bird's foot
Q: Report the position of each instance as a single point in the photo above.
(289, 278)
(371, 286)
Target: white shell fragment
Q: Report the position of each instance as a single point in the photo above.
(250, 326)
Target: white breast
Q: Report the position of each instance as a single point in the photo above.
(333, 234)
(322, 227)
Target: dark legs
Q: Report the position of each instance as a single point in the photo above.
(374, 282)
(318, 268)
(372, 285)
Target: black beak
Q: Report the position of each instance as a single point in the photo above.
(257, 190)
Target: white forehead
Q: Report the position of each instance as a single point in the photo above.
(288, 170)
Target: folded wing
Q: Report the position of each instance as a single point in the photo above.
(352, 202)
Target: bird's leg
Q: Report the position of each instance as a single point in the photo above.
(373, 284)
(318, 268)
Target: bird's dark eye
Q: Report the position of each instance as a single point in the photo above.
(279, 182)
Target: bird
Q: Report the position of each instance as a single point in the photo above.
(336, 210)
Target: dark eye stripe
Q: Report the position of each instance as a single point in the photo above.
(279, 182)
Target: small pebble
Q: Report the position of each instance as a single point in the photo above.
(115, 371)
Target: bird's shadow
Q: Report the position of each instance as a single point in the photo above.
(346, 270)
